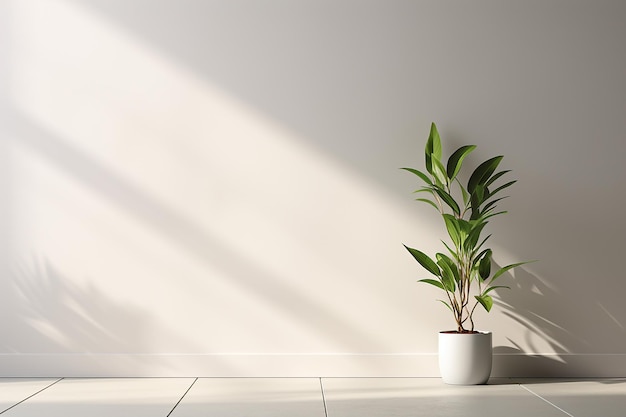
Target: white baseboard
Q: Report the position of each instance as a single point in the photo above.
(298, 365)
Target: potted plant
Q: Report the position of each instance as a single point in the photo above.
(464, 272)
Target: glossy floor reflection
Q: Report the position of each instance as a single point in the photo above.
(315, 397)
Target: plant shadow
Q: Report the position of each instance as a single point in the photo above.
(46, 314)
(549, 345)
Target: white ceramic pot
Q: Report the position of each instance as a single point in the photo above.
(465, 358)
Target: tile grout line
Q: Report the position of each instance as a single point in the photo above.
(323, 398)
(549, 402)
(181, 398)
(31, 396)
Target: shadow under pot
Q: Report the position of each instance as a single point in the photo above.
(465, 358)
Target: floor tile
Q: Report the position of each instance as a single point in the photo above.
(253, 397)
(588, 398)
(15, 390)
(123, 397)
(400, 397)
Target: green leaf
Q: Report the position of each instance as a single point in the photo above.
(425, 200)
(452, 225)
(488, 290)
(433, 148)
(465, 228)
(448, 280)
(481, 244)
(484, 266)
(472, 240)
(439, 171)
(453, 253)
(492, 203)
(456, 160)
(425, 189)
(477, 198)
(496, 176)
(420, 174)
(486, 216)
(433, 282)
(447, 276)
(478, 257)
(506, 268)
(425, 261)
(481, 174)
(446, 304)
(441, 257)
(464, 192)
(486, 301)
(502, 187)
(449, 200)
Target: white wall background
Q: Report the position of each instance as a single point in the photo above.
(212, 187)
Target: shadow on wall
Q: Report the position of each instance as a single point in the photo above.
(527, 303)
(534, 304)
(347, 76)
(272, 71)
(326, 70)
(55, 314)
(193, 239)
(45, 314)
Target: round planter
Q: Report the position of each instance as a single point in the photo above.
(465, 358)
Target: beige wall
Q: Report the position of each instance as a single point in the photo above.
(210, 187)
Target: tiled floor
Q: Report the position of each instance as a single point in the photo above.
(304, 397)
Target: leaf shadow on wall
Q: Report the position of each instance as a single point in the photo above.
(47, 313)
(332, 84)
(280, 292)
(534, 304)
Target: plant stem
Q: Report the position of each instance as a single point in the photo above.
(471, 314)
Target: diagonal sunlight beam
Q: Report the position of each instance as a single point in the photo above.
(171, 194)
(154, 214)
